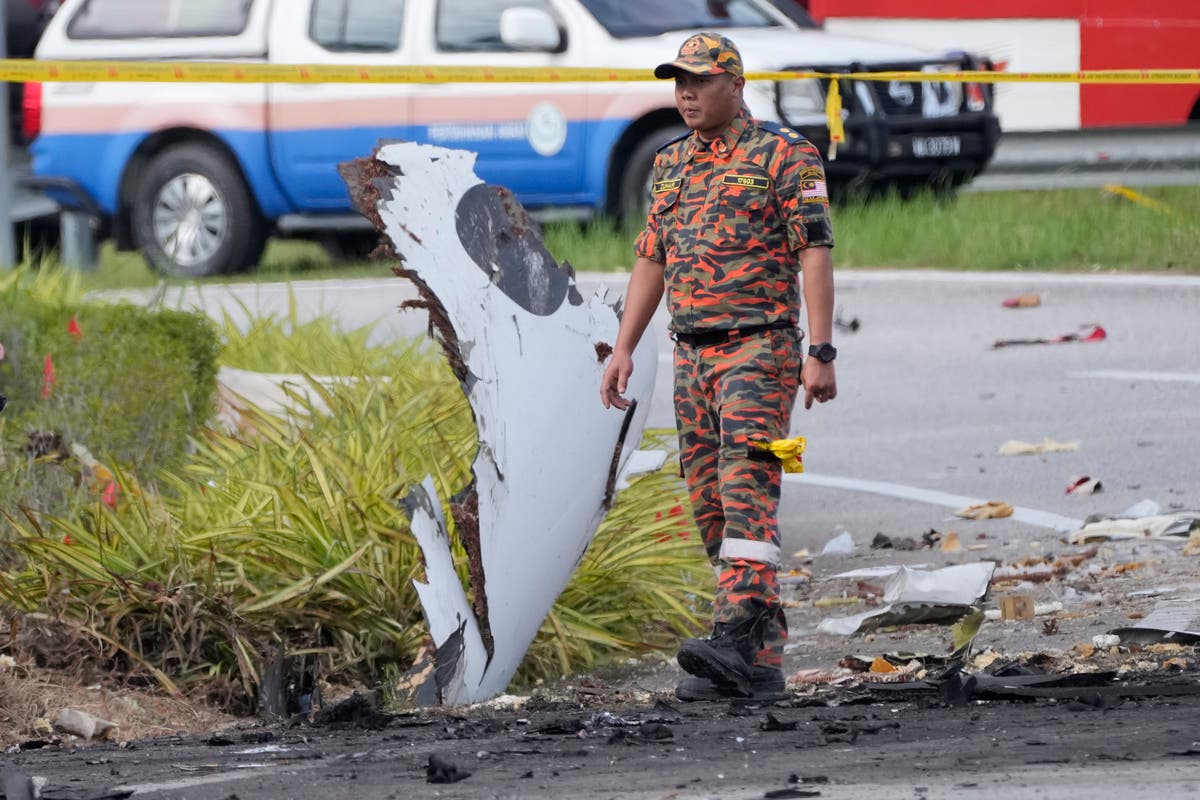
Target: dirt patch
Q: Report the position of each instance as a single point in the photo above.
(30, 699)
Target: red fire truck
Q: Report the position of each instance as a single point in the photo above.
(1051, 36)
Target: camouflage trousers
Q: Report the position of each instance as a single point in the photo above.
(726, 397)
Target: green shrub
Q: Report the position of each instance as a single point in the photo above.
(130, 384)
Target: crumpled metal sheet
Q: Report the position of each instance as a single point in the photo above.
(529, 351)
(914, 596)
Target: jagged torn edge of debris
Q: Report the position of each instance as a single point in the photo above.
(543, 450)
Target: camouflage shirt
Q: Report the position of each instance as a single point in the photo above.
(728, 217)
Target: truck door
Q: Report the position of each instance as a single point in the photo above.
(530, 137)
(314, 127)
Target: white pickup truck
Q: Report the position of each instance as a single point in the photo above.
(197, 176)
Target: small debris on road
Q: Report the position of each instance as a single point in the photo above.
(439, 770)
(772, 724)
(1023, 607)
(939, 596)
(992, 509)
(1016, 606)
(885, 542)
(1087, 333)
(1029, 300)
(1179, 526)
(842, 544)
(1016, 447)
(850, 325)
(1171, 621)
(1084, 484)
(84, 725)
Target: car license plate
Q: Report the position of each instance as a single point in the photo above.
(936, 146)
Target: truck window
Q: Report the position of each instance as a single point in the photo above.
(653, 17)
(474, 25)
(357, 25)
(140, 19)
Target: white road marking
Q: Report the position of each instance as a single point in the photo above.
(1140, 375)
(1031, 516)
(202, 780)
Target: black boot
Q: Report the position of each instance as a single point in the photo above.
(766, 684)
(725, 658)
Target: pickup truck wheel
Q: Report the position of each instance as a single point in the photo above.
(193, 215)
(634, 200)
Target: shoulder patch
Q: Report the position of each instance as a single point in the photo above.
(788, 134)
(678, 138)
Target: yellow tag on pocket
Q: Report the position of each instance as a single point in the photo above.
(662, 187)
(749, 181)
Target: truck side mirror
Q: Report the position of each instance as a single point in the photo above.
(529, 29)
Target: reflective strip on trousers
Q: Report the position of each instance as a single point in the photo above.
(748, 550)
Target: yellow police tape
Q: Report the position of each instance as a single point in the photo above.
(20, 70)
(27, 70)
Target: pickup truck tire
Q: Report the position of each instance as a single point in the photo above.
(634, 200)
(193, 215)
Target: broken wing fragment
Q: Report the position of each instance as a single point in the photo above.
(523, 343)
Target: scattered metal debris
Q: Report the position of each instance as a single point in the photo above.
(1162, 526)
(1172, 621)
(921, 596)
(1087, 333)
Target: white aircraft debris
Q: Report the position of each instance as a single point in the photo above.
(529, 351)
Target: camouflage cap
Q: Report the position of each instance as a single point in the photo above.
(704, 54)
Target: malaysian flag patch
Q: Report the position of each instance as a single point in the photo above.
(813, 190)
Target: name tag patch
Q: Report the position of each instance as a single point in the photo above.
(749, 181)
(667, 186)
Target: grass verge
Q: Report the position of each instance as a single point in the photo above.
(1070, 230)
(1077, 230)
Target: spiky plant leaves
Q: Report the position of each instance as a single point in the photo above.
(289, 530)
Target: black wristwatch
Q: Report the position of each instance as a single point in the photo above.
(823, 352)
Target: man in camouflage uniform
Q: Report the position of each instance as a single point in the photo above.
(738, 207)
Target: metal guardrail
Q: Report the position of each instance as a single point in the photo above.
(1087, 158)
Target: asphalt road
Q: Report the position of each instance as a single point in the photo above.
(925, 401)
(903, 748)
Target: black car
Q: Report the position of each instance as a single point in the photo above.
(24, 21)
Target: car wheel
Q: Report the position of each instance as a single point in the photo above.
(634, 200)
(193, 215)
